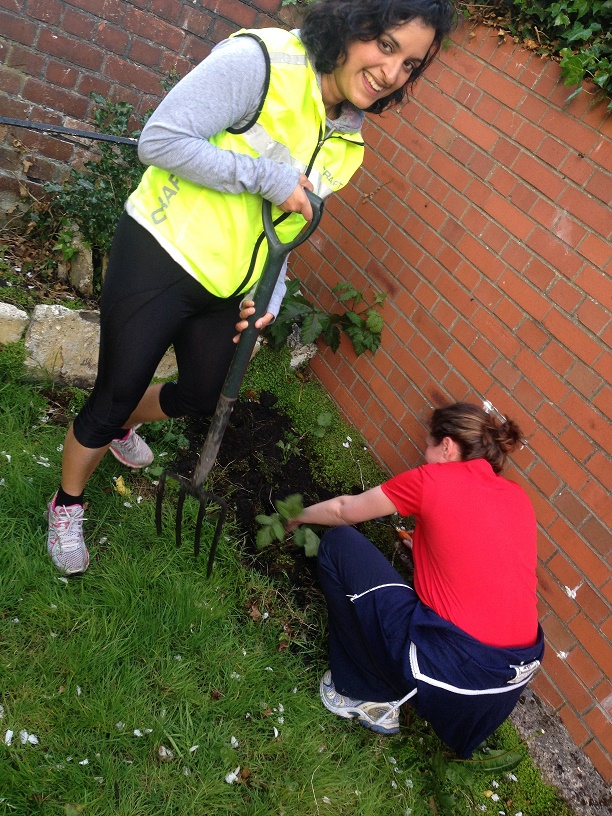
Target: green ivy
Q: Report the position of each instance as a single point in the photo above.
(93, 197)
(577, 31)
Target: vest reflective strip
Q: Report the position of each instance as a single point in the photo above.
(261, 141)
(431, 681)
(288, 59)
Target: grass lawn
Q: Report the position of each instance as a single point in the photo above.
(143, 688)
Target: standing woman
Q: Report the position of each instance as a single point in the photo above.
(465, 640)
(268, 115)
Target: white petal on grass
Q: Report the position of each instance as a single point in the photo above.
(234, 742)
(281, 721)
(281, 708)
(1, 712)
(120, 726)
(235, 676)
(23, 736)
(232, 776)
(193, 749)
(33, 739)
(8, 737)
(79, 691)
(186, 771)
(326, 800)
(84, 762)
(165, 753)
(15, 620)
(269, 668)
(275, 730)
(127, 504)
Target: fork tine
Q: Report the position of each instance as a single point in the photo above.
(158, 502)
(198, 527)
(179, 516)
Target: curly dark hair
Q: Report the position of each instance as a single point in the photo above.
(479, 434)
(331, 25)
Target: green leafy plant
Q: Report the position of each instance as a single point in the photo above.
(93, 197)
(289, 446)
(64, 240)
(578, 31)
(362, 323)
(324, 422)
(272, 528)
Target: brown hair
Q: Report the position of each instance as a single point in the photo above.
(479, 435)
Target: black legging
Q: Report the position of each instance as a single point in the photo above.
(148, 304)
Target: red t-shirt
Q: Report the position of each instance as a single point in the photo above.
(474, 548)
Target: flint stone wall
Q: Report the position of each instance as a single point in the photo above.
(62, 343)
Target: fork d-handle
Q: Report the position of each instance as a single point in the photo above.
(277, 250)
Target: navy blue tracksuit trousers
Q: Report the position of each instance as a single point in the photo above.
(384, 643)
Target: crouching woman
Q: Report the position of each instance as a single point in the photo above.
(464, 641)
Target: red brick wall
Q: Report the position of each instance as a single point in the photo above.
(54, 54)
(483, 210)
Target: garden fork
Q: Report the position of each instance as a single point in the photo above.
(277, 251)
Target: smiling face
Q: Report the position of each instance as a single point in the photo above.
(375, 69)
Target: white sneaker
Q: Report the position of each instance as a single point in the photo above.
(383, 718)
(65, 543)
(132, 451)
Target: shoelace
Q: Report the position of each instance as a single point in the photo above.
(129, 443)
(70, 528)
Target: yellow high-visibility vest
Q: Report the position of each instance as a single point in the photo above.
(218, 237)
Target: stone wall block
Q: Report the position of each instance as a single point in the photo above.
(13, 323)
(63, 344)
